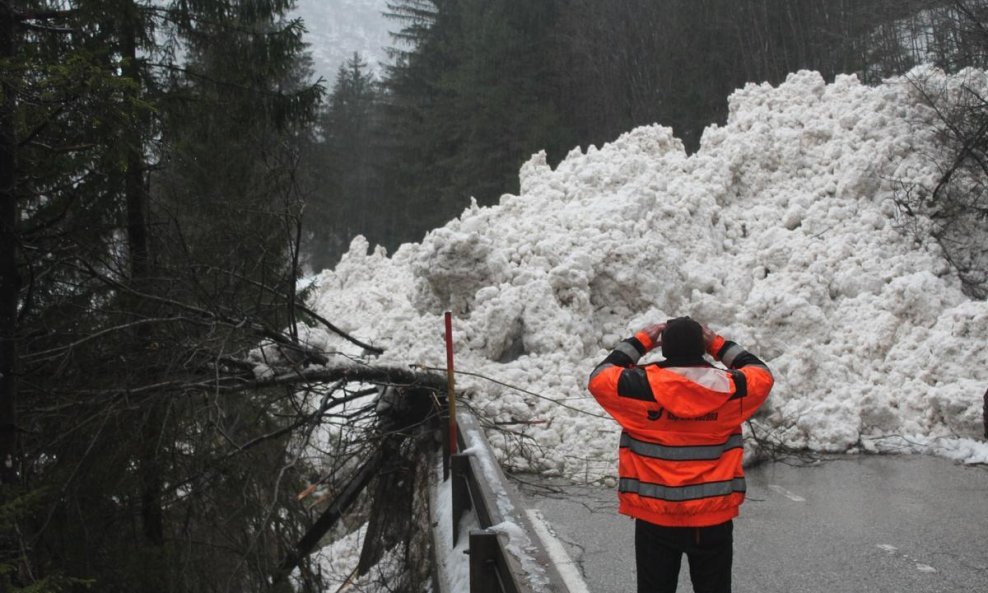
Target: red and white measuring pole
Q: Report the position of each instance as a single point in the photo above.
(451, 395)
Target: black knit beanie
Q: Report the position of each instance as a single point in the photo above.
(682, 338)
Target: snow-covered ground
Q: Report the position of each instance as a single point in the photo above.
(780, 233)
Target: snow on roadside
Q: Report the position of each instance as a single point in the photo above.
(780, 233)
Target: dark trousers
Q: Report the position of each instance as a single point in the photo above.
(659, 551)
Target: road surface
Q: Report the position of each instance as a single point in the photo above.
(855, 524)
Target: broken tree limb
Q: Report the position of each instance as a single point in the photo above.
(330, 516)
(391, 505)
(340, 332)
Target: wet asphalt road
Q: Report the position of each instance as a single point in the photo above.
(858, 524)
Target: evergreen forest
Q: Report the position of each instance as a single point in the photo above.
(170, 170)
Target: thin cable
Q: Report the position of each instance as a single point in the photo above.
(516, 388)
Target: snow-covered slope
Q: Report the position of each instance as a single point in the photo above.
(780, 233)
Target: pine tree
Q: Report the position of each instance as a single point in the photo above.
(154, 225)
(473, 99)
(419, 141)
(9, 276)
(504, 108)
(350, 199)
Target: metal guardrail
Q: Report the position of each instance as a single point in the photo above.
(506, 555)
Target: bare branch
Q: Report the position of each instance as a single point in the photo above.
(109, 330)
(308, 311)
(253, 326)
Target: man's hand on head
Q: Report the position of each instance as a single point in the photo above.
(654, 332)
(708, 337)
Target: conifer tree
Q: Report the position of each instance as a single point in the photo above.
(418, 140)
(153, 224)
(473, 99)
(350, 198)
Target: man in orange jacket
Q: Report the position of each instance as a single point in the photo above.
(681, 447)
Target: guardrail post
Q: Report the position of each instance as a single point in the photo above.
(460, 465)
(484, 577)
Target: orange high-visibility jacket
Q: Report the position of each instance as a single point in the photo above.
(681, 448)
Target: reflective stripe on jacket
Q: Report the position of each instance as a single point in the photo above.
(681, 446)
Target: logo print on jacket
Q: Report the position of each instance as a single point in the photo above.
(655, 414)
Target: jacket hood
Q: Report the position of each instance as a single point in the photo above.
(692, 391)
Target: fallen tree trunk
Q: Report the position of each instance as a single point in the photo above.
(378, 375)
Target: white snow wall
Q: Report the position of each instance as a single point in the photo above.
(780, 233)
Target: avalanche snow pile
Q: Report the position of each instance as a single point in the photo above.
(780, 233)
